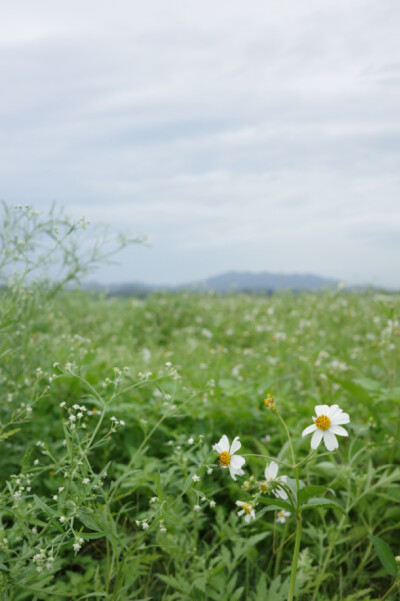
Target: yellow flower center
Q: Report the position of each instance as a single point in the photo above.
(224, 458)
(323, 422)
(246, 508)
(264, 486)
(269, 401)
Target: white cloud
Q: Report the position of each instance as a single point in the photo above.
(240, 136)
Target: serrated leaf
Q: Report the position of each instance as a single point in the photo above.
(385, 555)
(175, 583)
(323, 503)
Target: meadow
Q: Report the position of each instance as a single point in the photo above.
(111, 487)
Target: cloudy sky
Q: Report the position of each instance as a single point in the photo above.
(258, 135)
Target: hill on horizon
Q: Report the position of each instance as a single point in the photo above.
(232, 281)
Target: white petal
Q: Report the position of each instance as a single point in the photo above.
(247, 518)
(330, 441)
(316, 439)
(341, 418)
(309, 429)
(235, 472)
(237, 461)
(240, 503)
(222, 445)
(321, 410)
(281, 493)
(241, 512)
(271, 471)
(338, 430)
(333, 409)
(235, 446)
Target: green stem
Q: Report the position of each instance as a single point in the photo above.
(295, 557)
(391, 591)
(299, 518)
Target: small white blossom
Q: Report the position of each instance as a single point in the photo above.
(327, 424)
(227, 457)
(247, 510)
(276, 482)
(282, 515)
(196, 478)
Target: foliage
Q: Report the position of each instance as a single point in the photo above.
(110, 407)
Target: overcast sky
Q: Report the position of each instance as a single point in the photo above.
(257, 135)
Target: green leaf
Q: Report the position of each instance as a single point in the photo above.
(359, 392)
(9, 433)
(385, 554)
(323, 503)
(276, 503)
(88, 520)
(309, 491)
(237, 594)
(176, 584)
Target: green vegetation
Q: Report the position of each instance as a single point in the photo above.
(110, 407)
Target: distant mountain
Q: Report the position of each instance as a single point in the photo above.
(233, 281)
(265, 281)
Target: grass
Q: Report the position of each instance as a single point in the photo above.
(175, 372)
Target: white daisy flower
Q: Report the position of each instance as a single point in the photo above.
(282, 515)
(273, 481)
(247, 510)
(227, 458)
(328, 422)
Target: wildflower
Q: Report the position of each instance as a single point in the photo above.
(212, 503)
(326, 425)
(247, 509)
(191, 440)
(227, 458)
(209, 471)
(196, 478)
(78, 544)
(269, 402)
(273, 481)
(197, 507)
(145, 526)
(282, 515)
(85, 481)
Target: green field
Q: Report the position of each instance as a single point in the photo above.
(110, 407)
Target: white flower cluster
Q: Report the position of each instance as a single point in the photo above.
(116, 422)
(77, 545)
(76, 414)
(43, 560)
(327, 425)
(20, 485)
